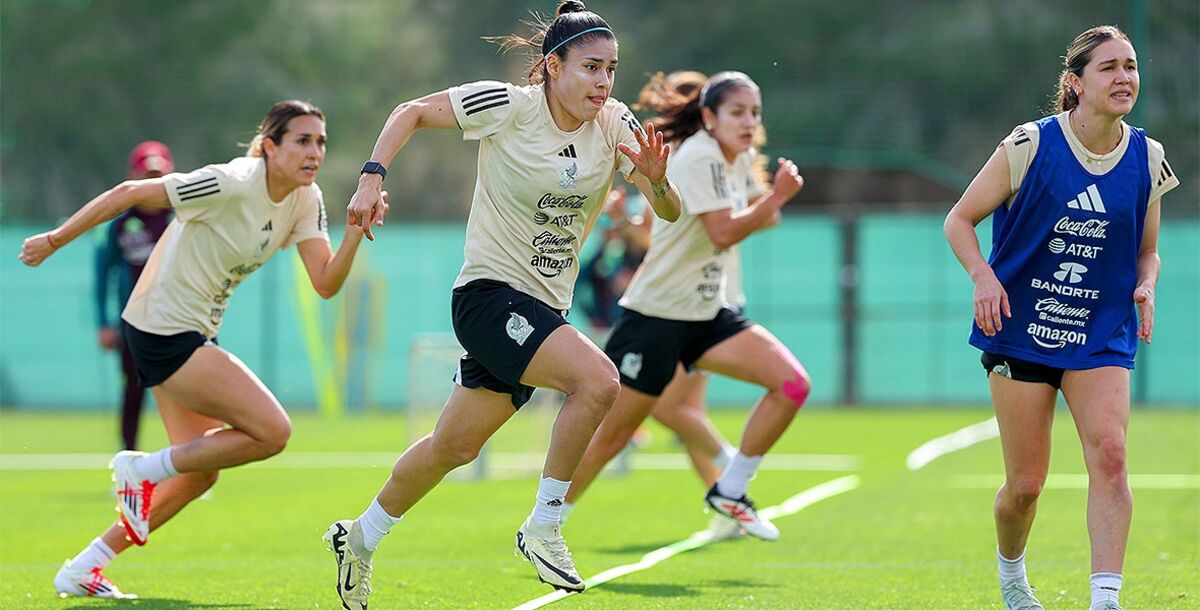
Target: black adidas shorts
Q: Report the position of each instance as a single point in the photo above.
(646, 349)
(1021, 370)
(157, 357)
(501, 328)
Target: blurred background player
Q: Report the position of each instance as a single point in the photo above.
(120, 258)
(1075, 200)
(682, 407)
(230, 218)
(676, 311)
(547, 155)
(624, 236)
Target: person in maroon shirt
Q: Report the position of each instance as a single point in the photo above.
(120, 257)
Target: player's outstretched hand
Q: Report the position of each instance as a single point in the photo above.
(651, 160)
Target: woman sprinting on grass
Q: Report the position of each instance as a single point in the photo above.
(1075, 201)
(229, 219)
(547, 155)
(682, 406)
(675, 308)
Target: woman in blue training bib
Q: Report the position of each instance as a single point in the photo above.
(1074, 200)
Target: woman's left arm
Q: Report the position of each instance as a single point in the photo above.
(1148, 266)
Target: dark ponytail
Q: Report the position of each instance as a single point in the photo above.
(678, 98)
(572, 25)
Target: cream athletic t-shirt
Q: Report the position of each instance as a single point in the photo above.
(734, 292)
(684, 274)
(1021, 145)
(225, 227)
(539, 189)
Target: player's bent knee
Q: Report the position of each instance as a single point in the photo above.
(797, 389)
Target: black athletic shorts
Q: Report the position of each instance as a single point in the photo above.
(1021, 370)
(646, 349)
(157, 357)
(501, 328)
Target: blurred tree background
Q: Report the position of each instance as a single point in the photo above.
(927, 86)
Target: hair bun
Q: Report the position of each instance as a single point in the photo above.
(570, 6)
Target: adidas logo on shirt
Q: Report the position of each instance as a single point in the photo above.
(569, 152)
(1088, 200)
(267, 227)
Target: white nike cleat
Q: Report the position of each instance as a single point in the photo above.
(721, 527)
(1108, 605)
(1018, 595)
(70, 582)
(133, 496)
(354, 572)
(742, 510)
(544, 547)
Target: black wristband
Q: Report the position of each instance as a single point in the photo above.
(374, 167)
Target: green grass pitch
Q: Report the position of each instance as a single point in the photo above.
(919, 540)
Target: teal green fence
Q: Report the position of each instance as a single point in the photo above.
(914, 313)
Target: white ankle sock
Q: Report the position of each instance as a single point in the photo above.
(550, 497)
(723, 458)
(375, 523)
(566, 509)
(1106, 586)
(736, 478)
(156, 466)
(95, 555)
(1011, 569)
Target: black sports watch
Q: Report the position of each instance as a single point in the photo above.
(374, 167)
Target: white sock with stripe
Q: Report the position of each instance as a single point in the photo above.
(1106, 587)
(550, 497)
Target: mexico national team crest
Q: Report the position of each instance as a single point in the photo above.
(568, 176)
(518, 328)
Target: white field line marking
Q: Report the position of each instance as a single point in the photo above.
(959, 439)
(790, 506)
(1080, 481)
(494, 460)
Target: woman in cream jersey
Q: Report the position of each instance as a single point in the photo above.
(1075, 200)
(675, 308)
(547, 155)
(229, 219)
